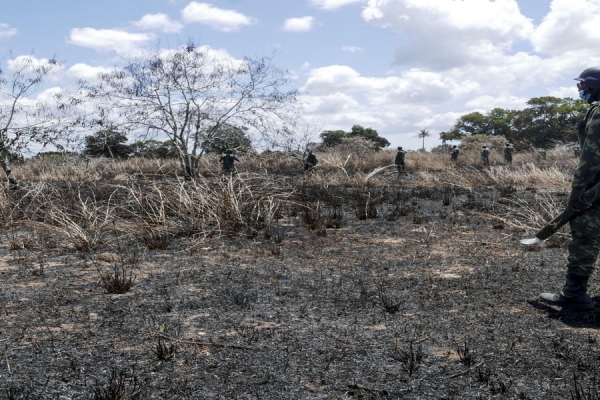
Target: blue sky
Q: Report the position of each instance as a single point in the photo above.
(394, 65)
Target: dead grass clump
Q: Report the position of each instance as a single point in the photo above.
(117, 281)
(164, 351)
(119, 387)
(411, 356)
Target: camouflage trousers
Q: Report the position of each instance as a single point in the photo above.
(585, 242)
(4, 155)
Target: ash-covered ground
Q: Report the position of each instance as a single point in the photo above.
(427, 299)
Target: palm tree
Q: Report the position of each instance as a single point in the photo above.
(423, 133)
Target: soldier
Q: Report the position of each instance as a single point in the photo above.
(311, 160)
(4, 163)
(227, 162)
(399, 161)
(485, 156)
(454, 155)
(577, 151)
(508, 153)
(585, 227)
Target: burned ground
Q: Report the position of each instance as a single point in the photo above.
(394, 292)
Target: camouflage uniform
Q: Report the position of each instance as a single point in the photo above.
(227, 160)
(311, 161)
(508, 153)
(399, 160)
(585, 228)
(454, 155)
(485, 157)
(4, 163)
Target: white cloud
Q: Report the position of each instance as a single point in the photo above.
(564, 91)
(160, 22)
(487, 102)
(216, 18)
(351, 49)
(108, 39)
(333, 4)
(7, 31)
(303, 24)
(27, 65)
(86, 72)
(570, 25)
(445, 34)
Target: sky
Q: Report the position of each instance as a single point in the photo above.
(397, 66)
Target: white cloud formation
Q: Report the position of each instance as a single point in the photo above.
(86, 72)
(108, 39)
(303, 24)
(160, 22)
(446, 34)
(351, 49)
(333, 4)
(570, 25)
(217, 18)
(7, 31)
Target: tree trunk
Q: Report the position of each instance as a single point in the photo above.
(190, 166)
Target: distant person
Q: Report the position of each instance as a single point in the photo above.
(227, 162)
(454, 155)
(5, 163)
(577, 151)
(311, 160)
(585, 226)
(399, 161)
(508, 153)
(485, 156)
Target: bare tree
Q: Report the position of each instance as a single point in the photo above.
(423, 133)
(189, 94)
(23, 119)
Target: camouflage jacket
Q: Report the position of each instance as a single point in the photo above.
(228, 160)
(400, 157)
(485, 153)
(588, 170)
(508, 150)
(311, 159)
(454, 154)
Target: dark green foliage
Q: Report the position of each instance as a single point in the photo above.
(545, 120)
(334, 138)
(107, 143)
(230, 137)
(154, 149)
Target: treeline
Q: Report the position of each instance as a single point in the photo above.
(543, 123)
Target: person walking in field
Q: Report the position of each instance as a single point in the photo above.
(5, 164)
(485, 156)
(585, 227)
(399, 160)
(508, 153)
(311, 160)
(454, 155)
(227, 162)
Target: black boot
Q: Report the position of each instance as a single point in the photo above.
(574, 294)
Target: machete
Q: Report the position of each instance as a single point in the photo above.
(590, 196)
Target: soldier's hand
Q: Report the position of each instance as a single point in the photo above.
(576, 201)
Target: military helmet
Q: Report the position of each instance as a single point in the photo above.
(228, 151)
(590, 77)
(454, 146)
(483, 147)
(399, 147)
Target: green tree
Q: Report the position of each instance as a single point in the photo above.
(230, 137)
(107, 143)
(335, 138)
(154, 149)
